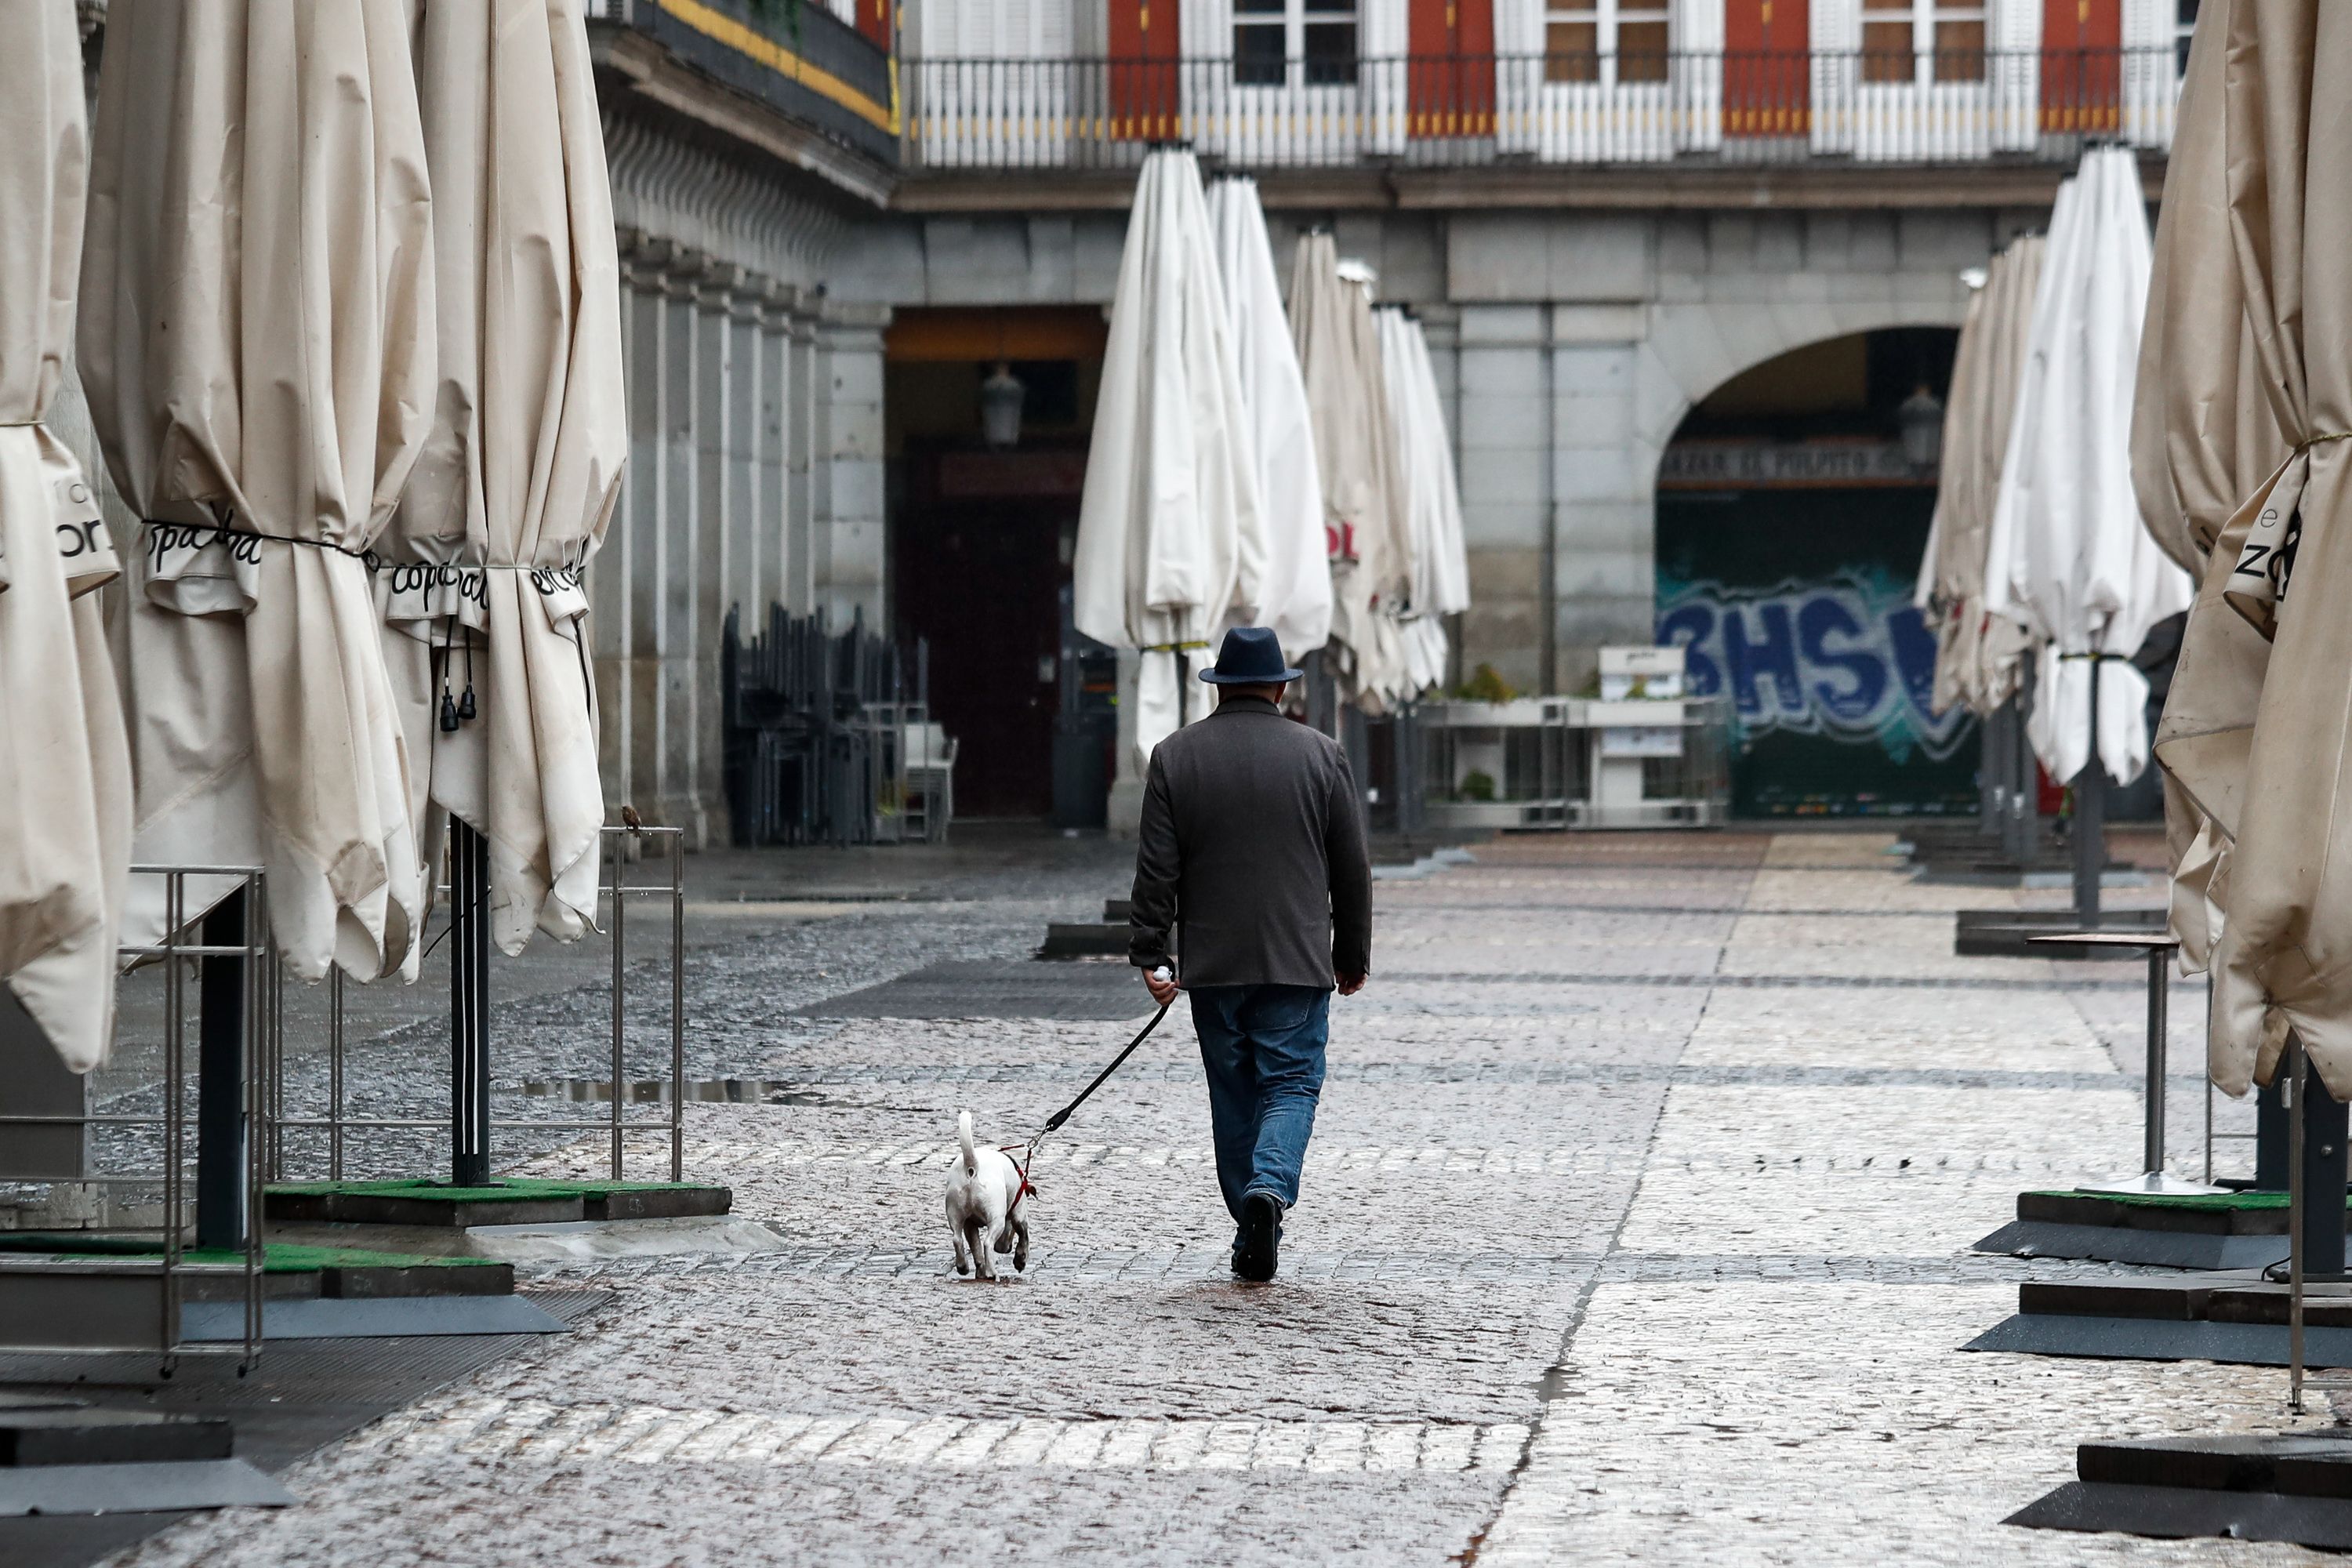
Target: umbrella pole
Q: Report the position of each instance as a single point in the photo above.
(2090, 826)
(220, 1128)
(470, 1006)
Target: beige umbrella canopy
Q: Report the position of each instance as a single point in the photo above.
(2203, 439)
(1979, 656)
(255, 338)
(65, 767)
(2279, 882)
(517, 481)
(1363, 489)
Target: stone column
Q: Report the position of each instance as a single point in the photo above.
(771, 458)
(677, 546)
(1504, 442)
(800, 461)
(851, 555)
(1602, 494)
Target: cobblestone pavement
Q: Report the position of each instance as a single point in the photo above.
(1635, 1228)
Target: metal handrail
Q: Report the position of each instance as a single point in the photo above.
(613, 853)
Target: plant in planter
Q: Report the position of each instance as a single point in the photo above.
(1486, 686)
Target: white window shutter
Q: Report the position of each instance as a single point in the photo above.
(1836, 25)
(1697, 27)
(1382, 29)
(2013, 26)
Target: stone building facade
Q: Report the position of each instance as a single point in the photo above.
(790, 180)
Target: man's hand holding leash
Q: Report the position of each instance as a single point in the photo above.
(1163, 986)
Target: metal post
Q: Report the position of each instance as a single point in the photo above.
(2158, 999)
(2089, 830)
(470, 1006)
(1992, 788)
(678, 1007)
(221, 1125)
(2273, 1156)
(2297, 1243)
(620, 907)
(258, 1050)
(175, 1108)
(335, 1075)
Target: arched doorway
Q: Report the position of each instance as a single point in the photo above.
(1791, 515)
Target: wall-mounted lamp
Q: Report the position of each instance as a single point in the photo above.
(1921, 416)
(1000, 407)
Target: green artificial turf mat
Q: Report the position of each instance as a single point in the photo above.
(2211, 1203)
(277, 1258)
(522, 1189)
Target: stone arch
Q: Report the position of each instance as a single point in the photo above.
(1693, 348)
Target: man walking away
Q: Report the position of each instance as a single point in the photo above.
(1252, 844)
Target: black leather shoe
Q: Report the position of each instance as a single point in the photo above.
(1258, 1252)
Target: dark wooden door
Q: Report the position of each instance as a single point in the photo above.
(980, 575)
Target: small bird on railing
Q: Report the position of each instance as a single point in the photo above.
(631, 820)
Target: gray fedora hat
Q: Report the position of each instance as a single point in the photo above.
(1252, 655)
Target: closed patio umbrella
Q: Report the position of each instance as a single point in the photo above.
(65, 766)
(1170, 537)
(1295, 599)
(1438, 576)
(255, 337)
(481, 591)
(2204, 437)
(1978, 655)
(2284, 958)
(516, 483)
(1339, 355)
(2069, 559)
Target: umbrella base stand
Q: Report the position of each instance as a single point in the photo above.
(2208, 1230)
(2261, 1486)
(2235, 1318)
(470, 1006)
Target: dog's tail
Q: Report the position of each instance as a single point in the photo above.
(963, 1136)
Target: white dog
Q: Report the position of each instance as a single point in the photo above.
(984, 1206)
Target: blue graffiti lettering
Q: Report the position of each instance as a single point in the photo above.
(1775, 655)
(1848, 659)
(1688, 626)
(1855, 699)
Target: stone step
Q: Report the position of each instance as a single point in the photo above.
(2292, 1465)
(1084, 940)
(501, 1202)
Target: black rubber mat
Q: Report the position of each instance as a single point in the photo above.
(302, 1395)
(2120, 1243)
(1012, 989)
(2179, 1513)
(2156, 1339)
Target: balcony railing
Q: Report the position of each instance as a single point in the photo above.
(1452, 111)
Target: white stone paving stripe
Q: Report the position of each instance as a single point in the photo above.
(529, 1431)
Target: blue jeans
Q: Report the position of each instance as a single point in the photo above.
(1263, 1048)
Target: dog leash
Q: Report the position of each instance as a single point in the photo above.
(1053, 1123)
